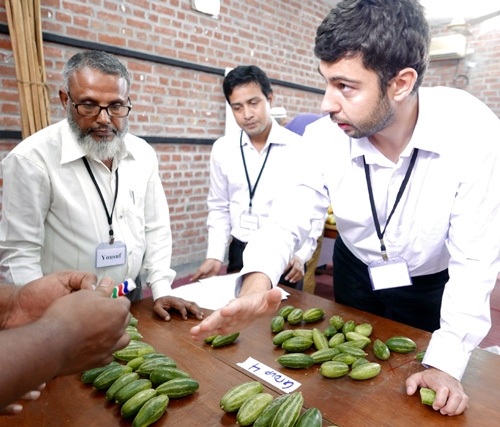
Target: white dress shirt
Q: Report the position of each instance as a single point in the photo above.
(448, 217)
(229, 195)
(53, 217)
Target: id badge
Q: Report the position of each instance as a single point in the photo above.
(109, 255)
(393, 273)
(249, 221)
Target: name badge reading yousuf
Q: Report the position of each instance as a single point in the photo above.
(109, 255)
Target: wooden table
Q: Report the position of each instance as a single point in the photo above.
(381, 401)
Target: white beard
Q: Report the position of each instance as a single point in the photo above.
(101, 150)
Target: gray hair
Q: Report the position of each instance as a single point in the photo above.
(98, 60)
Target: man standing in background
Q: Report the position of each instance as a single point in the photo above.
(248, 170)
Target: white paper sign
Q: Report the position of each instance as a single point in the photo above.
(393, 273)
(270, 375)
(212, 293)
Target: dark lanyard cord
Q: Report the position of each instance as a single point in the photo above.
(108, 216)
(250, 190)
(380, 234)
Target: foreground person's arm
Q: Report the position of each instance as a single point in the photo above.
(77, 332)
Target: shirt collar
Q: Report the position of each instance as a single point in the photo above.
(428, 135)
(278, 135)
(72, 150)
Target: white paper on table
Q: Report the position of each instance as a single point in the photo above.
(212, 293)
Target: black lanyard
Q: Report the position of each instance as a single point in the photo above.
(250, 190)
(380, 234)
(110, 217)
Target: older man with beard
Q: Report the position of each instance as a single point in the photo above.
(85, 194)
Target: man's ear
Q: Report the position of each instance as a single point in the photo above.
(63, 96)
(402, 84)
(270, 99)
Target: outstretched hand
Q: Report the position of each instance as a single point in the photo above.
(238, 314)
(450, 396)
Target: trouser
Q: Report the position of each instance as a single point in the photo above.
(235, 263)
(418, 305)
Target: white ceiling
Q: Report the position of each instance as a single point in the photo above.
(442, 12)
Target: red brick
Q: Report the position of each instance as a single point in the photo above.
(52, 3)
(6, 95)
(10, 108)
(137, 45)
(111, 40)
(81, 21)
(10, 123)
(145, 26)
(78, 8)
(63, 17)
(108, 5)
(81, 33)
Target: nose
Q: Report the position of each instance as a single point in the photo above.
(330, 102)
(247, 112)
(103, 117)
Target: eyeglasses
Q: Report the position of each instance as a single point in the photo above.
(93, 110)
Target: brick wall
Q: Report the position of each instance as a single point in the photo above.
(178, 102)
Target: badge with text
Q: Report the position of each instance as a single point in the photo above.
(249, 221)
(393, 273)
(109, 255)
(270, 375)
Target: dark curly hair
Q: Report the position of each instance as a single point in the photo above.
(389, 35)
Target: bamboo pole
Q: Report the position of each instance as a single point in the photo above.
(27, 106)
(24, 19)
(33, 71)
(15, 50)
(41, 61)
